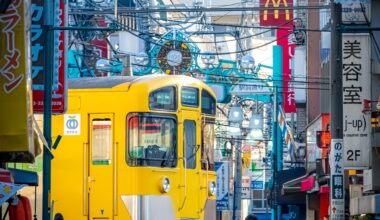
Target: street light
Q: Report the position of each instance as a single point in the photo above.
(235, 119)
(142, 60)
(256, 122)
(208, 58)
(247, 63)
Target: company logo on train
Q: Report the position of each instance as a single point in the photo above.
(136, 148)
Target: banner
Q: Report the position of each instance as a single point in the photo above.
(16, 115)
(287, 54)
(222, 185)
(356, 80)
(38, 65)
(276, 17)
(336, 180)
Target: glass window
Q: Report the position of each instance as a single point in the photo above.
(151, 141)
(189, 97)
(208, 103)
(189, 144)
(208, 137)
(101, 142)
(163, 99)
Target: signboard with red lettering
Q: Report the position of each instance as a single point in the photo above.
(16, 113)
(38, 66)
(275, 17)
(288, 46)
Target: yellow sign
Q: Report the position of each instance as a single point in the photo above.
(276, 4)
(16, 116)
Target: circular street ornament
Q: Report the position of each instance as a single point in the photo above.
(174, 58)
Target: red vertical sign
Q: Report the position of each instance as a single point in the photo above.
(287, 53)
(38, 65)
(275, 17)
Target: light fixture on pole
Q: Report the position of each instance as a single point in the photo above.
(142, 60)
(247, 63)
(235, 119)
(208, 58)
(256, 121)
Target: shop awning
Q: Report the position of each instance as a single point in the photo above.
(293, 186)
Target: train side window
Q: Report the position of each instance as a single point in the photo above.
(101, 142)
(163, 99)
(151, 140)
(189, 144)
(208, 103)
(208, 137)
(190, 96)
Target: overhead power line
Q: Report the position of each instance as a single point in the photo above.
(213, 9)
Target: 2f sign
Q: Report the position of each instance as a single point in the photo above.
(353, 155)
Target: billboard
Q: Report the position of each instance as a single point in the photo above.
(16, 115)
(38, 65)
(356, 78)
(275, 17)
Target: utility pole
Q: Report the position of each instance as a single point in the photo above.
(336, 101)
(238, 176)
(49, 68)
(337, 207)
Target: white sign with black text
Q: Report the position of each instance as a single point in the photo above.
(356, 77)
(336, 180)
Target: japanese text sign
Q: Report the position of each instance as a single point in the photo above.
(275, 17)
(355, 11)
(337, 180)
(38, 64)
(356, 77)
(287, 53)
(222, 181)
(16, 134)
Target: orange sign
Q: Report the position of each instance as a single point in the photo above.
(276, 17)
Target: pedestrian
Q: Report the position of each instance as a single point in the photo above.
(251, 217)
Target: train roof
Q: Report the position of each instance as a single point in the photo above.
(99, 82)
(117, 81)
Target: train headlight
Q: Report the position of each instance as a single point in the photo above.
(165, 185)
(212, 188)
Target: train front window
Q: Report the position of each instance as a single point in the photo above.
(151, 141)
(208, 137)
(163, 99)
(208, 103)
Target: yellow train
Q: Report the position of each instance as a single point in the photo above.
(136, 148)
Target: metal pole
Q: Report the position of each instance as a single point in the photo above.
(238, 177)
(49, 68)
(276, 133)
(336, 100)
(336, 96)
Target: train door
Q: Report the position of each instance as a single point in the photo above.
(190, 174)
(100, 166)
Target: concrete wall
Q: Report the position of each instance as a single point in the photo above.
(313, 63)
